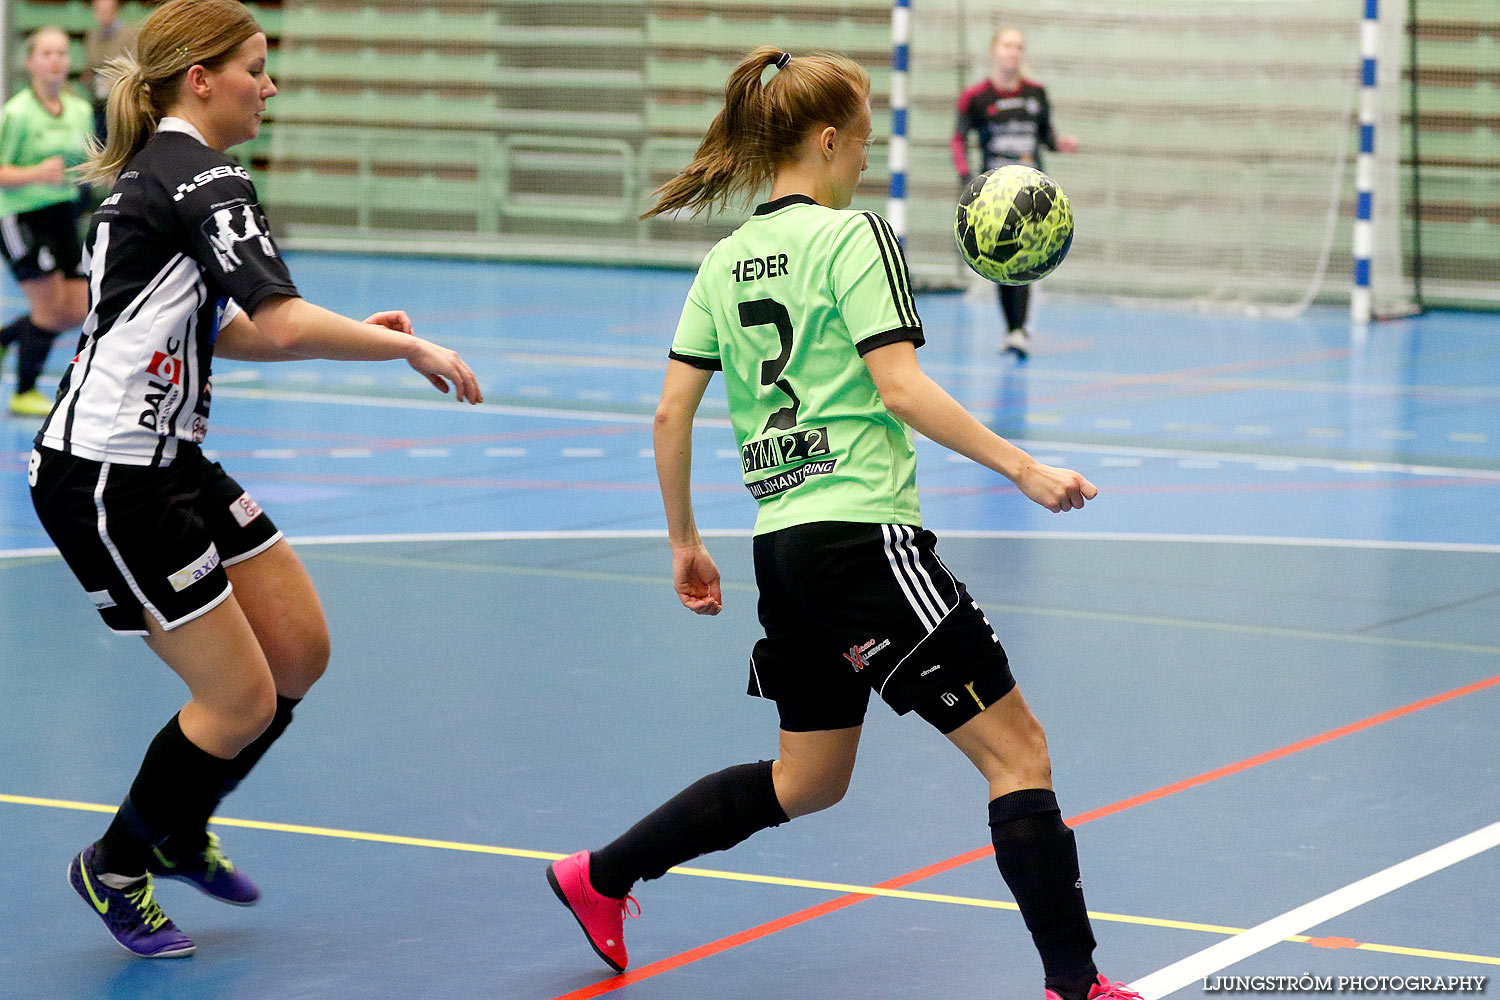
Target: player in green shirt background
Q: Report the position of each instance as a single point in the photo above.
(44, 131)
(808, 312)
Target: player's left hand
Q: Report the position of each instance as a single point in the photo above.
(1067, 144)
(696, 580)
(1056, 489)
(392, 319)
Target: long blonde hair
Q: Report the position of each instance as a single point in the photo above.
(761, 125)
(179, 35)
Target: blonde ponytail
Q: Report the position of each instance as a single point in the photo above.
(131, 119)
(179, 35)
(761, 125)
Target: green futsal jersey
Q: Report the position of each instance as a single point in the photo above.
(29, 134)
(786, 306)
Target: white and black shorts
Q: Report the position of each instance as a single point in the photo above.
(43, 241)
(852, 608)
(148, 540)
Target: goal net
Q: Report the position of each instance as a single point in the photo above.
(1217, 140)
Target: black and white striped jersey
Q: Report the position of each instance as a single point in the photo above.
(175, 250)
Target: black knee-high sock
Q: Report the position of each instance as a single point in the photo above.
(251, 755)
(177, 782)
(192, 837)
(1038, 858)
(1014, 300)
(14, 330)
(712, 814)
(31, 358)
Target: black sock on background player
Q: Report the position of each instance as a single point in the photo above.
(31, 357)
(1014, 300)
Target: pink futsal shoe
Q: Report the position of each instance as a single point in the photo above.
(1105, 990)
(602, 918)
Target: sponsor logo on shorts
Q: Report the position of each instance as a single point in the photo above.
(245, 510)
(931, 670)
(859, 656)
(101, 600)
(195, 570)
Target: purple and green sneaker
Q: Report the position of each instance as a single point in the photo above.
(131, 914)
(209, 871)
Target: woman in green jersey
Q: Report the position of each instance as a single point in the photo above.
(44, 131)
(808, 312)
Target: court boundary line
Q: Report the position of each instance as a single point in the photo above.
(629, 416)
(1288, 541)
(812, 913)
(1200, 965)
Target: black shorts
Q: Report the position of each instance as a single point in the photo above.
(148, 539)
(849, 608)
(43, 241)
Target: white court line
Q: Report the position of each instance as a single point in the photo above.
(1065, 536)
(568, 413)
(448, 405)
(1210, 960)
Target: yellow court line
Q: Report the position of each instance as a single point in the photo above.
(839, 887)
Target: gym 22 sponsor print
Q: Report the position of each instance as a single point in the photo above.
(783, 449)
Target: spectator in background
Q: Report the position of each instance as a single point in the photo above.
(1010, 114)
(108, 38)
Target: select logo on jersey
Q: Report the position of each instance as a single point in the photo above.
(230, 227)
(245, 509)
(764, 489)
(195, 570)
(783, 449)
(228, 170)
(165, 367)
(859, 656)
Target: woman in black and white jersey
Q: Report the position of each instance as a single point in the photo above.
(166, 544)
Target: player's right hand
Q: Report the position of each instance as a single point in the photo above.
(440, 366)
(696, 580)
(1056, 489)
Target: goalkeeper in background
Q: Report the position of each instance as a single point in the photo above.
(1013, 120)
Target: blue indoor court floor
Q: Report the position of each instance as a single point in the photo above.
(1267, 658)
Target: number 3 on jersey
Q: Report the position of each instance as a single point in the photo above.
(769, 312)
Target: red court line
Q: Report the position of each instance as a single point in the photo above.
(900, 881)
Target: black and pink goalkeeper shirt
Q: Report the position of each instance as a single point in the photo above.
(1012, 125)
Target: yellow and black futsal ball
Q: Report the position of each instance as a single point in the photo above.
(1014, 225)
